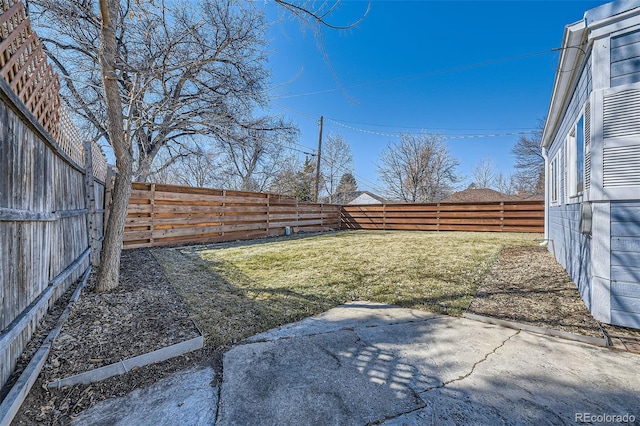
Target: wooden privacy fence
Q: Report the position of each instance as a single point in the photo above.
(52, 186)
(163, 215)
(507, 216)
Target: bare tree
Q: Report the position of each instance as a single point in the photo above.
(336, 160)
(181, 68)
(254, 157)
(505, 184)
(529, 163)
(296, 179)
(108, 274)
(419, 168)
(319, 14)
(485, 173)
(286, 180)
(199, 170)
(184, 68)
(167, 70)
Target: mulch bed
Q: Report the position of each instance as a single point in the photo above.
(145, 313)
(142, 315)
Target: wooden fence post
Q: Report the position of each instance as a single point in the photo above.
(153, 212)
(384, 217)
(268, 212)
(222, 216)
(90, 204)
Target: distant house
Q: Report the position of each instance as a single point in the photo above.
(591, 145)
(359, 197)
(478, 195)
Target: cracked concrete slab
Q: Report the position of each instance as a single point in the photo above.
(349, 367)
(533, 379)
(439, 350)
(366, 363)
(186, 397)
(311, 380)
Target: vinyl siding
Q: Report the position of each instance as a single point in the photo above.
(625, 59)
(625, 263)
(573, 249)
(578, 100)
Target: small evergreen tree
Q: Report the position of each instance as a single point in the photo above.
(305, 182)
(347, 184)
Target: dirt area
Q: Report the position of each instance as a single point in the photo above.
(145, 313)
(526, 285)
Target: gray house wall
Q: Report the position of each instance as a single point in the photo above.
(576, 104)
(625, 263)
(572, 249)
(603, 259)
(625, 58)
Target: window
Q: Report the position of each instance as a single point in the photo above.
(554, 181)
(574, 145)
(579, 184)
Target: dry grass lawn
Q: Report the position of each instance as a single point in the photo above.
(239, 289)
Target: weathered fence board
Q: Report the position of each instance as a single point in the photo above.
(508, 216)
(160, 215)
(44, 214)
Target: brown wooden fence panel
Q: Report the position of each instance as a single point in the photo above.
(508, 216)
(166, 215)
(47, 229)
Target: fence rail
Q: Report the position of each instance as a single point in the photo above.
(508, 216)
(161, 215)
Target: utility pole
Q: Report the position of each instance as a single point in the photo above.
(315, 194)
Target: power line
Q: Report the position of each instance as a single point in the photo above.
(524, 130)
(422, 127)
(296, 111)
(426, 74)
(226, 132)
(398, 134)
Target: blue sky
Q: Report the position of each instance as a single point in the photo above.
(434, 41)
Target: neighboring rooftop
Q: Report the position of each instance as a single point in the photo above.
(359, 197)
(479, 195)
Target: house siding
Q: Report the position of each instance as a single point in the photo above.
(605, 264)
(572, 249)
(625, 263)
(625, 59)
(578, 100)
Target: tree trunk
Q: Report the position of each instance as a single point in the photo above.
(109, 271)
(144, 167)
